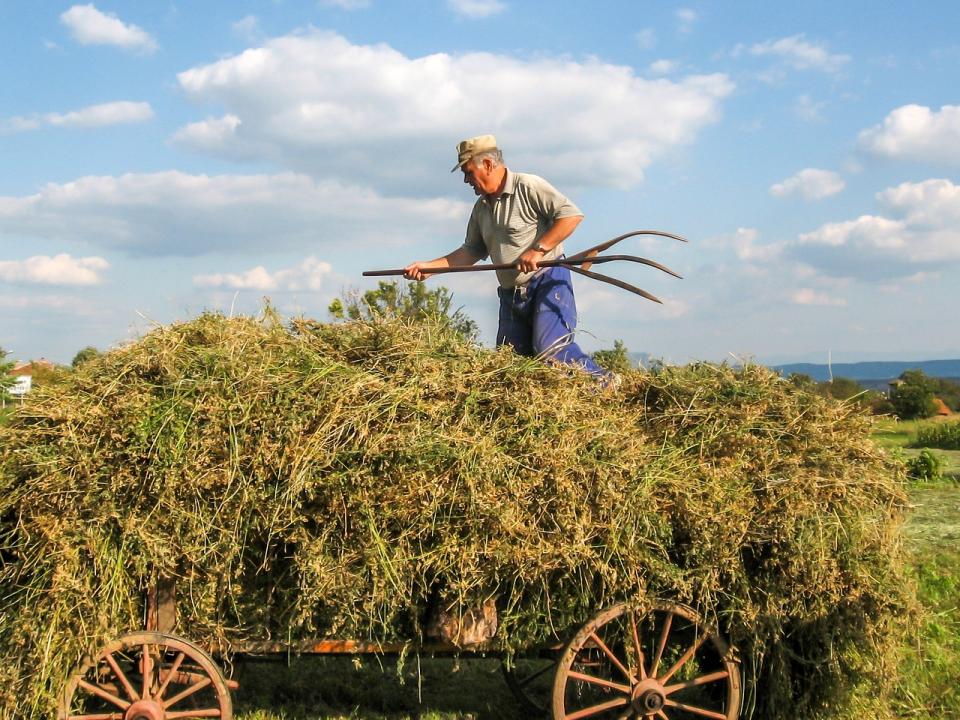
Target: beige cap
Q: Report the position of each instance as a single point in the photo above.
(472, 147)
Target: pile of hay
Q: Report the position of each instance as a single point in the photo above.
(326, 480)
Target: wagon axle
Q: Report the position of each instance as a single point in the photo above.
(648, 697)
(145, 710)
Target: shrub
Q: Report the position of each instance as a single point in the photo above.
(925, 467)
(616, 360)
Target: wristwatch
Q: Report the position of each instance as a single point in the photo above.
(538, 247)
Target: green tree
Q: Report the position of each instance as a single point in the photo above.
(412, 300)
(802, 381)
(616, 360)
(85, 355)
(912, 396)
(841, 388)
(6, 379)
(948, 391)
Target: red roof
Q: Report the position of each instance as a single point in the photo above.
(31, 367)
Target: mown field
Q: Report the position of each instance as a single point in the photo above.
(444, 689)
(930, 672)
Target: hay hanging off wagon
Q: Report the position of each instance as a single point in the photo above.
(334, 480)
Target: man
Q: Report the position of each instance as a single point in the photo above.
(519, 219)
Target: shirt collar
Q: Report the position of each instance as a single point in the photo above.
(509, 187)
(511, 184)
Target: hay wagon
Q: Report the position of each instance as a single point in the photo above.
(648, 660)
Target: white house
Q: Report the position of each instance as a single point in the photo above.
(23, 377)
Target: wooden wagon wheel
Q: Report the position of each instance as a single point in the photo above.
(147, 676)
(662, 663)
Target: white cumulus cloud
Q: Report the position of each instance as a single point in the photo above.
(94, 116)
(59, 269)
(932, 203)
(799, 54)
(646, 38)
(346, 4)
(809, 183)
(745, 246)
(808, 109)
(477, 8)
(247, 27)
(175, 213)
(311, 274)
(317, 103)
(686, 18)
(663, 67)
(915, 132)
(808, 296)
(922, 234)
(89, 26)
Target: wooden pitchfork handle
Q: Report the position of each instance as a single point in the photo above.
(584, 259)
(563, 262)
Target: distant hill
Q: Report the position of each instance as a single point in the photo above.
(873, 371)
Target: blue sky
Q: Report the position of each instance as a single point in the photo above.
(160, 159)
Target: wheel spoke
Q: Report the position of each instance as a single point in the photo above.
(170, 674)
(533, 676)
(97, 716)
(101, 693)
(600, 681)
(636, 644)
(111, 661)
(146, 668)
(696, 710)
(593, 709)
(683, 658)
(661, 644)
(185, 694)
(207, 712)
(712, 677)
(609, 653)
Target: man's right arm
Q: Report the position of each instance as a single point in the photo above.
(421, 270)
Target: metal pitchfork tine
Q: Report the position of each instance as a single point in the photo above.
(585, 260)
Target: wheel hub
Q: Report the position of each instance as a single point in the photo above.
(648, 697)
(145, 710)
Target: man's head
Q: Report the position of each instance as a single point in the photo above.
(482, 164)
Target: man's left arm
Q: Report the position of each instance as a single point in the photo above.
(561, 229)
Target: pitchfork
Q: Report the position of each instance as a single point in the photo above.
(579, 263)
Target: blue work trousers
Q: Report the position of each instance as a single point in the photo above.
(539, 319)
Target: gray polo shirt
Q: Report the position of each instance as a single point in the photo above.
(504, 227)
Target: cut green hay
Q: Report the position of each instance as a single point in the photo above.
(334, 480)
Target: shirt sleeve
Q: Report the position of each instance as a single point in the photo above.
(474, 240)
(550, 202)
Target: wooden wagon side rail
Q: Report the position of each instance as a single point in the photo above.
(330, 646)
